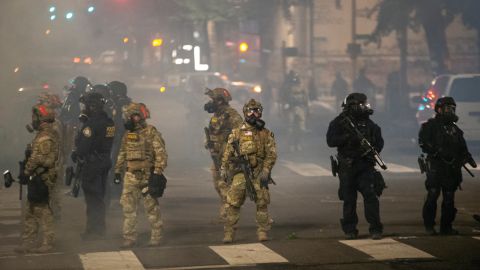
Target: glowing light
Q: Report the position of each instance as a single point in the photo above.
(88, 60)
(47, 32)
(53, 17)
(45, 86)
(17, 69)
(243, 47)
(197, 59)
(51, 9)
(421, 107)
(174, 53)
(157, 42)
(69, 15)
(242, 61)
(125, 40)
(178, 61)
(163, 89)
(76, 60)
(187, 47)
(91, 9)
(186, 61)
(257, 89)
(20, 89)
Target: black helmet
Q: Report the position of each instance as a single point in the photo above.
(356, 103)
(94, 101)
(354, 99)
(102, 89)
(118, 88)
(444, 101)
(80, 83)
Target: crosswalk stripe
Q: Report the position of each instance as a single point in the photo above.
(387, 249)
(111, 260)
(306, 169)
(248, 254)
(397, 168)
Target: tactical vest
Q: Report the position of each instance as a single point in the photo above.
(139, 149)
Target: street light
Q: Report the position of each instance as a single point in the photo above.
(69, 15)
(53, 17)
(51, 9)
(91, 9)
(243, 47)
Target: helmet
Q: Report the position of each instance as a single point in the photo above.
(136, 108)
(252, 104)
(102, 89)
(80, 83)
(117, 88)
(49, 99)
(93, 101)
(43, 113)
(354, 99)
(444, 101)
(219, 93)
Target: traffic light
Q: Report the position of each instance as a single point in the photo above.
(243, 47)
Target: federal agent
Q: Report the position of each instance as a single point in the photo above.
(92, 148)
(442, 140)
(356, 164)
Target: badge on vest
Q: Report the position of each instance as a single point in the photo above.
(87, 132)
(132, 136)
(110, 132)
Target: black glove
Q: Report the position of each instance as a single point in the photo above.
(117, 179)
(472, 162)
(74, 156)
(264, 178)
(157, 185)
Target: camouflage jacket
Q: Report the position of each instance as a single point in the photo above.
(45, 151)
(142, 149)
(258, 145)
(221, 125)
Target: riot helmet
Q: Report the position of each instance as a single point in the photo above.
(135, 114)
(40, 114)
(445, 107)
(219, 97)
(356, 104)
(252, 111)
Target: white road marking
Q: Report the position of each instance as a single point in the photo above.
(306, 169)
(476, 237)
(10, 213)
(10, 222)
(247, 254)
(110, 260)
(397, 168)
(387, 249)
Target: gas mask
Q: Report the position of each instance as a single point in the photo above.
(210, 106)
(360, 110)
(130, 123)
(448, 113)
(252, 117)
(36, 122)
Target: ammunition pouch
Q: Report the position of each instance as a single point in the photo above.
(37, 190)
(378, 183)
(157, 185)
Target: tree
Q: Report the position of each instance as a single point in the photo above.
(469, 10)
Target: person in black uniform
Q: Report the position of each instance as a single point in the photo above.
(71, 105)
(442, 140)
(356, 166)
(93, 146)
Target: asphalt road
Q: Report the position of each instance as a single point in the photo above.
(305, 208)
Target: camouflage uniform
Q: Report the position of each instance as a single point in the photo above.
(223, 121)
(45, 151)
(142, 152)
(297, 113)
(259, 146)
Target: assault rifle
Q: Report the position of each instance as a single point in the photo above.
(364, 142)
(244, 164)
(73, 175)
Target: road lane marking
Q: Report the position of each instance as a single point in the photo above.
(306, 169)
(387, 249)
(248, 254)
(111, 260)
(397, 168)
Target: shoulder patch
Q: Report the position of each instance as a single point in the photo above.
(87, 132)
(110, 132)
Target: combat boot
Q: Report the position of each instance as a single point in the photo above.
(44, 248)
(25, 247)
(262, 236)
(128, 243)
(228, 237)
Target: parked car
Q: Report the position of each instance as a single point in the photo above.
(465, 89)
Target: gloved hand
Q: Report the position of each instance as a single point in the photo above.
(74, 156)
(117, 179)
(157, 185)
(264, 178)
(472, 162)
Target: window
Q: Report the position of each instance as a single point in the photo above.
(466, 89)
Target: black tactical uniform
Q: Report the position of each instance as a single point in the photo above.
(71, 105)
(93, 146)
(356, 170)
(447, 152)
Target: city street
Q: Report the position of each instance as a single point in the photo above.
(305, 208)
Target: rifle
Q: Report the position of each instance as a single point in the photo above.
(364, 143)
(73, 175)
(22, 178)
(422, 163)
(243, 162)
(215, 158)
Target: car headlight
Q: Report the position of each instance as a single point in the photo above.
(257, 89)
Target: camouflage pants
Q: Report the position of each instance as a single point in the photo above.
(222, 188)
(55, 204)
(130, 198)
(236, 197)
(38, 215)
